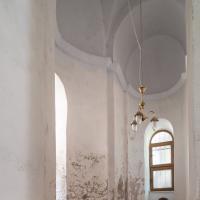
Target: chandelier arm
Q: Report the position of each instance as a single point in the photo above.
(152, 112)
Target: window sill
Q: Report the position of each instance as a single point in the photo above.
(158, 194)
(161, 192)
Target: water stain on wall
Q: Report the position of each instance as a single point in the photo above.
(136, 183)
(85, 178)
(88, 180)
(122, 189)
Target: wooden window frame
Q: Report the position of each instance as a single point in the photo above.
(161, 166)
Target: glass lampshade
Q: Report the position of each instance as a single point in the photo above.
(138, 117)
(134, 126)
(154, 125)
(154, 121)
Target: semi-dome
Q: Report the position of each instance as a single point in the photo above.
(103, 28)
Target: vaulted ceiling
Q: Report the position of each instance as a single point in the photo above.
(103, 28)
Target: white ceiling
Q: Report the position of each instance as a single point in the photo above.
(80, 23)
(103, 28)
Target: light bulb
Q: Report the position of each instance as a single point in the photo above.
(154, 125)
(134, 126)
(138, 117)
(154, 121)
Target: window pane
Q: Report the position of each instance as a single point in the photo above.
(162, 179)
(161, 137)
(161, 155)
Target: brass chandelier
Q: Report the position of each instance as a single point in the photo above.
(140, 115)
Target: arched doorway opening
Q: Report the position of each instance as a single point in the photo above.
(61, 139)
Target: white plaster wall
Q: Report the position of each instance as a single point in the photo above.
(135, 154)
(193, 98)
(86, 92)
(120, 144)
(97, 123)
(86, 89)
(27, 156)
(173, 109)
(26, 52)
(104, 111)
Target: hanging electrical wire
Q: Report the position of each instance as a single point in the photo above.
(140, 115)
(139, 42)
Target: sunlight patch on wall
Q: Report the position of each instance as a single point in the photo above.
(61, 139)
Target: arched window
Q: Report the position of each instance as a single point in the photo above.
(161, 161)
